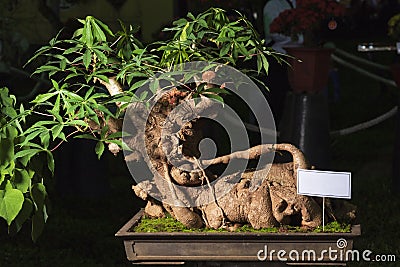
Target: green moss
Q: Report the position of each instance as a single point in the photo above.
(169, 224)
(334, 227)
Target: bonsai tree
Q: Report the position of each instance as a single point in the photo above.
(108, 87)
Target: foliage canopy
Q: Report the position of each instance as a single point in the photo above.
(78, 104)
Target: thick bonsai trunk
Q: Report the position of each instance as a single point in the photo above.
(274, 202)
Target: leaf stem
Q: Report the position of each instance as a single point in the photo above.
(62, 141)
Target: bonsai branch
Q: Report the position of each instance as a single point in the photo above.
(113, 87)
(299, 160)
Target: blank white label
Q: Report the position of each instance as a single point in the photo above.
(324, 183)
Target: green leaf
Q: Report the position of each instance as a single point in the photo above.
(43, 97)
(22, 180)
(45, 139)
(23, 216)
(216, 97)
(154, 85)
(87, 136)
(190, 16)
(38, 53)
(7, 147)
(243, 38)
(38, 221)
(216, 90)
(72, 95)
(10, 112)
(99, 148)
(115, 135)
(63, 64)
(56, 108)
(46, 68)
(50, 162)
(225, 49)
(22, 111)
(101, 56)
(56, 130)
(183, 36)
(71, 75)
(104, 27)
(27, 153)
(24, 161)
(180, 22)
(34, 145)
(242, 49)
(32, 134)
(11, 201)
(87, 58)
(87, 32)
(38, 194)
(265, 63)
(71, 50)
(98, 32)
(77, 33)
(55, 85)
(77, 123)
(138, 84)
(259, 65)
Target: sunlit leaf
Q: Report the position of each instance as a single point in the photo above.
(87, 58)
(11, 201)
(27, 153)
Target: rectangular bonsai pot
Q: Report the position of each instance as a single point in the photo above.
(180, 247)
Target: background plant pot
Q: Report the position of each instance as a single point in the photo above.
(395, 69)
(305, 124)
(309, 69)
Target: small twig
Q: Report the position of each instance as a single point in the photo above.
(116, 41)
(43, 114)
(62, 141)
(113, 87)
